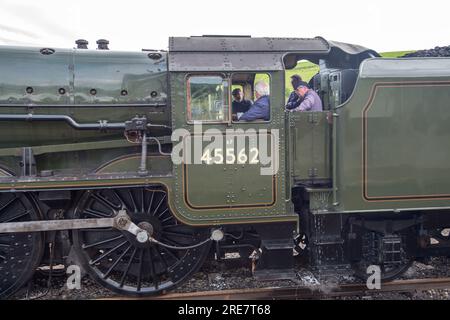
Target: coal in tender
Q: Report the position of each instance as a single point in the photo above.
(436, 52)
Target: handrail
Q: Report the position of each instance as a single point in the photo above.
(100, 125)
(334, 159)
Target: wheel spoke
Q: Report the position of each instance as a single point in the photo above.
(107, 253)
(6, 205)
(170, 253)
(141, 260)
(127, 269)
(106, 275)
(152, 269)
(119, 197)
(118, 261)
(105, 201)
(96, 213)
(162, 258)
(151, 202)
(167, 219)
(17, 216)
(159, 204)
(132, 200)
(162, 213)
(102, 242)
(25, 247)
(142, 200)
(170, 226)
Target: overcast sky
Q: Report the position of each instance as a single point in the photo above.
(382, 25)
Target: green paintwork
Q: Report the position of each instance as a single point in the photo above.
(241, 184)
(407, 133)
(310, 145)
(79, 71)
(158, 165)
(404, 137)
(220, 192)
(407, 144)
(56, 145)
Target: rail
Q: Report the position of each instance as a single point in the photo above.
(302, 292)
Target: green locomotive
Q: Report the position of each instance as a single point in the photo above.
(134, 166)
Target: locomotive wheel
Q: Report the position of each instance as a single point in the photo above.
(389, 271)
(116, 260)
(20, 253)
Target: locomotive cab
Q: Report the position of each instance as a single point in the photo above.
(311, 132)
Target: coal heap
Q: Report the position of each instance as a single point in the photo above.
(436, 52)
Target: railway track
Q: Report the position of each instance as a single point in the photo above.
(303, 292)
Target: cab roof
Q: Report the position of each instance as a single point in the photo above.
(207, 53)
(249, 44)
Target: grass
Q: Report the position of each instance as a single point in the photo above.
(395, 54)
(308, 69)
(304, 69)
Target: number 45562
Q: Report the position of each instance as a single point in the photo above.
(217, 156)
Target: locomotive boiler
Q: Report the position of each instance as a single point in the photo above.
(133, 166)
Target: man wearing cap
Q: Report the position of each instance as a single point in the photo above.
(311, 100)
(294, 100)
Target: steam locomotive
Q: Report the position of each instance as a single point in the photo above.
(132, 166)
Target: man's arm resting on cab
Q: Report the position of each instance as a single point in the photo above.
(306, 104)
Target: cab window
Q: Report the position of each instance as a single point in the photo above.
(244, 95)
(207, 99)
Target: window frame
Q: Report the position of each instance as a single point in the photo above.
(270, 98)
(225, 78)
